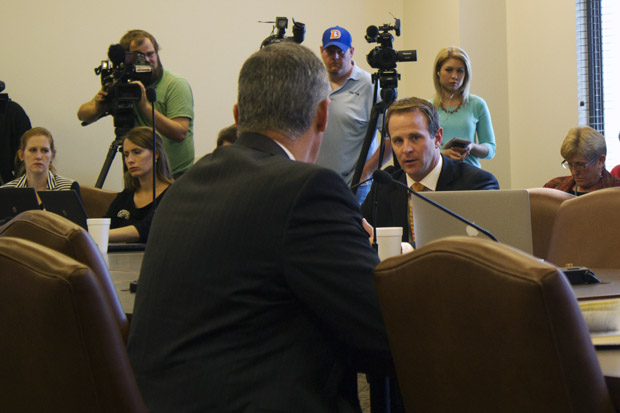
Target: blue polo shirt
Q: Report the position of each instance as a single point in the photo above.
(349, 113)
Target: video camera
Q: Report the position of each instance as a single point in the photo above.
(384, 57)
(116, 78)
(279, 29)
(4, 98)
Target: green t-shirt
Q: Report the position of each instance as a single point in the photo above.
(174, 100)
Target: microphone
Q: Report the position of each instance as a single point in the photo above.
(151, 96)
(2, 85)
(382, 177)
(361, 183)
(116, 53)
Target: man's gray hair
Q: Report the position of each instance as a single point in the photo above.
(280, 88)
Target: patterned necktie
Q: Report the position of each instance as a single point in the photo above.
(418, 187)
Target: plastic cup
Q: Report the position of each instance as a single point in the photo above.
(389, 239)
(99, 230)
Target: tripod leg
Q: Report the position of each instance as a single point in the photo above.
(370, 135)
(114, 147)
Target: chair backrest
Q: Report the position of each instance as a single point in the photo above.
(60, 350)
(544, 203)
(66, 237)
(96, 201)
(586, 231)
(477, 326)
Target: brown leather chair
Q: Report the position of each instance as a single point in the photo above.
(64, 236)
(61, 350)
(477, 326)
(96, 201)
(586, 231)
(544, 203)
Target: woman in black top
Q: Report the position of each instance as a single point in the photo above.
(132, 210)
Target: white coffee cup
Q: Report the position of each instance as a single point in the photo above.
(389, 239)
(99, 230)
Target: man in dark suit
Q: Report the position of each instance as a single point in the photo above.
(256, 290)
(413, 127)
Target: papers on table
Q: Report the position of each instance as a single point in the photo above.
(603, 320)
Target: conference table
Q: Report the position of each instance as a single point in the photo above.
(125, 267)
(608, 357)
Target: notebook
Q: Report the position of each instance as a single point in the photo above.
(65, 203)
(16, 200)
(504, 213)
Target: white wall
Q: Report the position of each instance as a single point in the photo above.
(49, 50)
(478, 26)
(523, 55)
(542, 62)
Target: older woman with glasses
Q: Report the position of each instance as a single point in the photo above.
(584, 151)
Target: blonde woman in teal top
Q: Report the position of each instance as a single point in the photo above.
(461, 115)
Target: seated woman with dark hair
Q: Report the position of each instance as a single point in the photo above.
(584, 151)
(33, 162)
(132, 210)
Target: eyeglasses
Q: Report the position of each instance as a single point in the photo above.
(577, 165)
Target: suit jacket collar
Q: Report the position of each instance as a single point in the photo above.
(448, 174)
(399, 201)
(261, 143)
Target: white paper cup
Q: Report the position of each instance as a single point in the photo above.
(389, 239)
(99, 230)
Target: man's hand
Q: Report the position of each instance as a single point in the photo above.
(175, 129)
(143, 104)
(92, 110)
(101, 96)
(368, 229)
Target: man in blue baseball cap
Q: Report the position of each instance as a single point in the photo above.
(349, 111)
(337, 54)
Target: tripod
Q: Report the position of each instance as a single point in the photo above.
(388, 81)
(115, 146)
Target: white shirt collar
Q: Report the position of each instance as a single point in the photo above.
(288, 153)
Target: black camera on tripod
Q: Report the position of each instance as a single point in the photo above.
(4, 98)
(279, 29)
(116, 78)
(384, 57)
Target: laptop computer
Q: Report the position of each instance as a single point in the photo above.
(65, 203)
(126, 247)
(16, 200)
(504, 213)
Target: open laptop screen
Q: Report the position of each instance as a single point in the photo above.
(65, 203)
(504, 213)
(16, 200)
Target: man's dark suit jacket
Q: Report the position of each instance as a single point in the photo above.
(393, 205)
(256, 290)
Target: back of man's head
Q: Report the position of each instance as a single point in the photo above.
(280, 88)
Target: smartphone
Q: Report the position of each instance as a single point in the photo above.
(456, 143)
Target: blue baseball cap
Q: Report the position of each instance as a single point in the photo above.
(337, 36)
